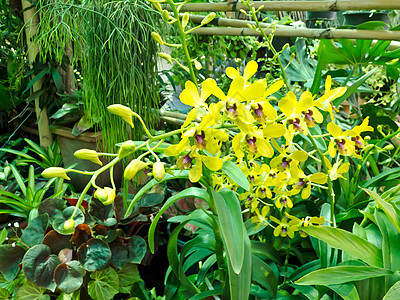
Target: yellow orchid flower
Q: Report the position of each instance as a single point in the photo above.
(88, 154)
(330, 95)
(284, 227)
(340, 141)
(249, 70)
(255, 144)
(261, 219)
(337, 169)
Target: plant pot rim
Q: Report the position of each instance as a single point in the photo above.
(67, 132)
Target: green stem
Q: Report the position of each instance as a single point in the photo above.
(183, 41)
(93, 179)
(143, 124)
(270, 46)
(331, 193)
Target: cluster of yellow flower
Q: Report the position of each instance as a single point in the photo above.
(262, 142)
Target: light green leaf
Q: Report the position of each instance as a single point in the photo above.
(387, 208)
(3, 235)
(231, 226)
(349, 242)
(346, 290)
(393, 293)
(240, 282)
(342, 274)
(30, 291)
(234, 173)
(104, 284)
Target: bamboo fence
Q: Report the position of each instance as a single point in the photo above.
(338, 5)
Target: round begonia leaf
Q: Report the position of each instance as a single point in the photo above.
(29, 292)
(131, 253)
(53, 207)
(102, 214)
(33, 234)
(69, 276)
(10, 258)
(81, 234)
(57, 241)
(58, 223)
(137, 249)
(94, 255)
(104, 285)
(39, 265)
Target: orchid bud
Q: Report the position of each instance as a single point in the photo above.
(134, 166)
(208, 19)
(106, 195)
(165, 15)
(127, 147)
(157, 38)
(55, 172)
(88, 155)
(122, 111)
(166, 56)
(158, 170)
(69, 224)
(197, 64)
(185, 19)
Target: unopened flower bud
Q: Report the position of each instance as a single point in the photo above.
(165, 15)
(166, 56)
(55, 172)
(197, 64)
(134, 166)
(208, 19)
(127, 147)
(157, 38)
(106, 195)
(157, 6)
(185, 19)
(158, 170)
(388, 147)
(69, 224)
(88, 155)
(122, 111)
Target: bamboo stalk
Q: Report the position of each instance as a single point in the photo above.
(309, 33)
(31, 20)
(338, 5)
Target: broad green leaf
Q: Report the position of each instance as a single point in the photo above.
(190, 192)
(104, 285)
(10, 267)
(263, 274)
(387, 208)
(308, 291)
(305, 269)
(94, 255)
(207, 294)
(128, 275)
(393, 293)
(4, 294)
(349, 242)
(342, 274)
(69, 276)
(33, 234)
(240, 282)
(231, 226)
(345, 290)
(390, 244)
(39, 264)
(234, 173)
(3, 235)
(265, 251)
(29, 291)
(175, 175)
(208, 263)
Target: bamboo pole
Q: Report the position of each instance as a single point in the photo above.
(333, 5)
(305, 32)
(243, 24)
(31, 20)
